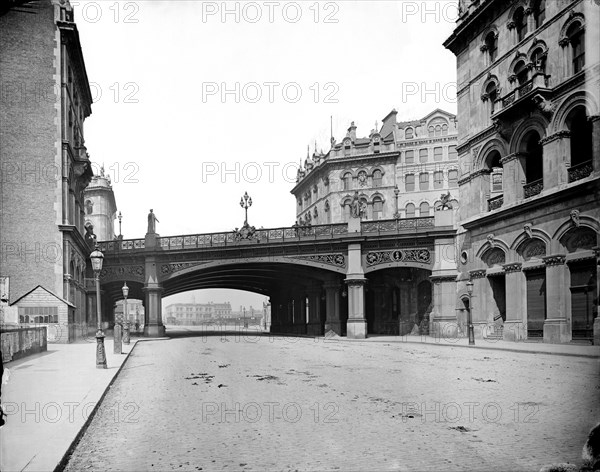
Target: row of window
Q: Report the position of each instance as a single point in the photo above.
(438, 180)
(432, 131)
(409, 156)
(38, 315)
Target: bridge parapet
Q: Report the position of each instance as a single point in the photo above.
(397, 225)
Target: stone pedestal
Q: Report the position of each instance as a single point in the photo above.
(557, 328)
(444, 323)
(356, 328)
(153, 327)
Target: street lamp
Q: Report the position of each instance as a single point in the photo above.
(120, 218)
(126, 336)
(245, 203)
(97, 258)
(396, 193)
(469, 315)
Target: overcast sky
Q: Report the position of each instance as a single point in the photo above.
(170, 138)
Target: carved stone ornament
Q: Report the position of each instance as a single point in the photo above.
(545, 106)
(491, 239)
(422, 256)
(554, 260)
(477, 274)
(528, 231)
(512, 267)
(337, 260)
(534, 248)
(575, 218)
(166, 269)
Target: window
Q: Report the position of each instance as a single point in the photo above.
(38, 314)
(577, 40)
(493, 163)
(347, 179)
(431, 131)
(492, 94)
(410, 210)
(497, 180)
(377, 178)
(520, 23)
(444, 130)
(423, 155)
(453, 178)
(424, 209)
(492, 46)
(409, 158)
(424, 181)
(89, 207)
(533, 161)
(408, 133)
(581, 136)
(538, 59)
(539, 12)
(346, 210)
(377, 208)
(438, 130)
(438, 179)
(452, 154)
(521, 72)
(437, 154)
(410, 182)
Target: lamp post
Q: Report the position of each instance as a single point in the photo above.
(126, 336)
(245, 322)
(120, 218)
(396, 193)
(245, 203)
(97, 258)
(469, 315)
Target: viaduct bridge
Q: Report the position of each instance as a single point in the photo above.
(356, 278)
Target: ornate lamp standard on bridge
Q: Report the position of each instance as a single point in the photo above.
(245, 203)
(469, 315)
(126, 336)
(396, 193)
(97, 258)
(120, 218)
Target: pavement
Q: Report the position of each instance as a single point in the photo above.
(51, 397)
(48, 398)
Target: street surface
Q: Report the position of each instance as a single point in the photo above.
(263, 403)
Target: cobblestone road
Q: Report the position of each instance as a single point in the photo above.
(225, 403)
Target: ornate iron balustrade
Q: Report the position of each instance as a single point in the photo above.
(508, 100)
(580, 171)
(401, 224)
(122, 245)
(533, 188)
(495, 203)
(525, 88)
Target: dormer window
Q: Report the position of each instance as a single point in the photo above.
(408, 134)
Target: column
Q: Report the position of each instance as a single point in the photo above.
(276, 314)
(314, 311)
(356, 327)
(299, 321)
(513, 177)
(515, 326)
(557, 327)
(557, 159)
(595, 119)
(332, 311)
(153, 297)
(443, 323)
(479, 303)
(480, 186)
(596, 338)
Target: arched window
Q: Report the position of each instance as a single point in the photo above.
(89, 207)
(520, 23)
(492, 46)
(538, 59)
(410, 182)
(409, 157)
(347, 181)
(424, 209)
(444, 130)
(377, 208)
(410, 210)
(438, 130)
(521, 72)
(581, 136)
(493, 164)
(408, 133)
(327, 211)
(431, 131)
(577, 41)
(539, 12)
(492, 94)
(377, 178)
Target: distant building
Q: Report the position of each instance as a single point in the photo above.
(529, 152)
(400, 170)
(195, 313)
(45, 100)
(135, 311)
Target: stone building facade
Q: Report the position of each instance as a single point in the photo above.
(196, 313)
(100, 207)
(400, 171)
(45, 166)
(529, 153)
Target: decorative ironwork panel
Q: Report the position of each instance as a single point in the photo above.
(525, 89)
(388, 225)
(508, 100)
(139, 244)
(323, 230)
(338, 260)
(219, 238)
(533, 188)
(407, 223)
(204, 240)
(427, 222)
(275, 234)
(167, 269)
(340, 229)
(190, 241)
(290, 233)
(580, 171)
(369, 227)
(418, 255)
(122, 272)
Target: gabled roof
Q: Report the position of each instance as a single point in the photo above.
(439, 111)
(43, 288)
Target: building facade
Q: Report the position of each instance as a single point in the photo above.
(100, 207)
(195, 313)
(400, 170)
(45, 165)
(529, 153)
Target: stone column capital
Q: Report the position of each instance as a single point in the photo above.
(438, 279)
(356, 281)
(511, 157)
(553, 137)
(512, 267)
(477, 274)
(554, 260)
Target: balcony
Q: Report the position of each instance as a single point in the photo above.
(495, 203)
(533, 188)
(580, 171)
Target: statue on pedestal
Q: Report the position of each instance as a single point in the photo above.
(152, 220)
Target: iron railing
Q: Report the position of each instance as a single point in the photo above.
(580, 171)
(533, 188)
(495, 203)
